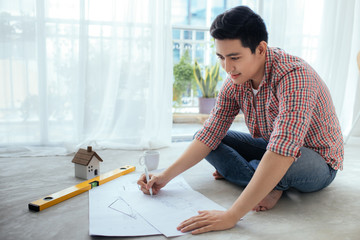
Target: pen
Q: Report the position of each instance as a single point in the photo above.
(147, 180)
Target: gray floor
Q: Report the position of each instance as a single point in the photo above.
(332, 213)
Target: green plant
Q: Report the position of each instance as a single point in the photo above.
(184, 76)
(208, 83)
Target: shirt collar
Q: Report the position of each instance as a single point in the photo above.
(268, 64)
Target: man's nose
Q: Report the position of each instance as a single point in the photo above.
(228, 67)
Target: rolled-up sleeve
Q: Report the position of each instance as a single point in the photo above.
(297, 94)
(221, 117)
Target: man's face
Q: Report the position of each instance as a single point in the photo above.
(239, 62)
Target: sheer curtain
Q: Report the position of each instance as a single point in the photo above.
(341, 38)
(99, 72)
(326, 34)
(77, 73)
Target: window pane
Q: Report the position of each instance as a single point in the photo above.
(188, 35)
(176, 34)
(217, 8)
(198, 13)
(187, 47)
(176, 52)
(200, 35)
(199, 53)
(179, 12)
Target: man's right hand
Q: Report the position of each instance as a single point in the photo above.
(192, 155)
(156, 182)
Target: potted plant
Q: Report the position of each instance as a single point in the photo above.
(183, 74)
(207, 86)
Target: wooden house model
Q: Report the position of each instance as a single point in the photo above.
(87, 163)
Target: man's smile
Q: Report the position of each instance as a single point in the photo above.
(234, 76)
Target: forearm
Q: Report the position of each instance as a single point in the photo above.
(192, 155)
(270, 171)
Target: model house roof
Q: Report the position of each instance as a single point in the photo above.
(83, 157)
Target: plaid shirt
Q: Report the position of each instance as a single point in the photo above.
(293, 108)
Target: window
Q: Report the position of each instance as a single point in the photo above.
(191, 22)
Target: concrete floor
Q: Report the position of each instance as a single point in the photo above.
(332, 213)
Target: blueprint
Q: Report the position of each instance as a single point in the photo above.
(109, 215)
(119, 208)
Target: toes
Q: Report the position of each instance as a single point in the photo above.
(259, 209)
(217, 175)
(263, 208)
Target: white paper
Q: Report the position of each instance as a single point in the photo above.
(170, 207)
(121, 203)
(109, 215)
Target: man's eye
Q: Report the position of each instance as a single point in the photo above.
(235, 58)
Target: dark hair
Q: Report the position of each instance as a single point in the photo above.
(240, 23)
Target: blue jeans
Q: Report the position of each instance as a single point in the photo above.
(238, 156)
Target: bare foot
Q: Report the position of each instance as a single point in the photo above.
(269, 201)
(217, 175)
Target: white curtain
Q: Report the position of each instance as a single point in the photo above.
(341, 35)
(326, 33)
(99, 72)
(84, 72)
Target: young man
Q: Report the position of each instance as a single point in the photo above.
(295, 139)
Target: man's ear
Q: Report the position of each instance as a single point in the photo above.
(261, 48)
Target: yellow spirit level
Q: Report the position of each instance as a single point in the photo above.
(67, 193)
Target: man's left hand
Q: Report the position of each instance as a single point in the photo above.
(208, 221)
